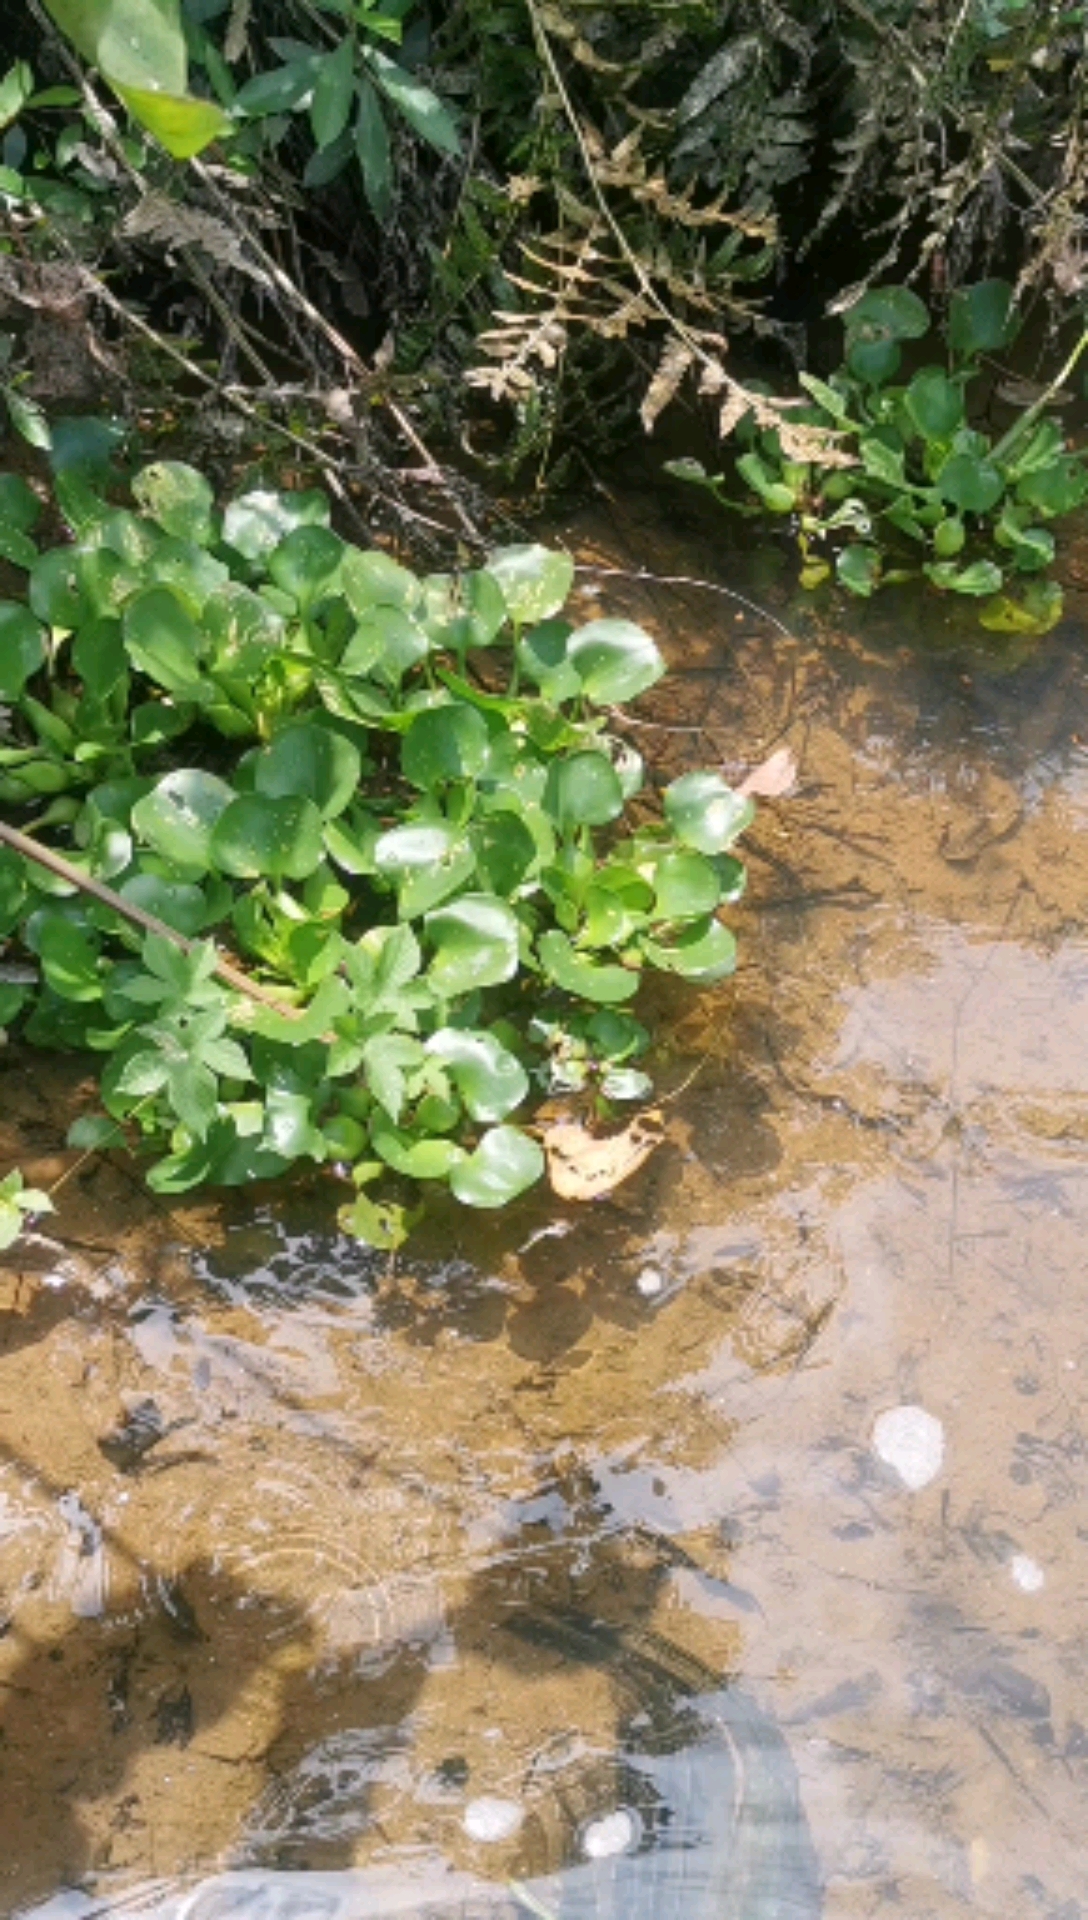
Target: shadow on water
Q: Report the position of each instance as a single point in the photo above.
(334, 1588)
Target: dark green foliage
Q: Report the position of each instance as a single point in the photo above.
(398, 801)
(897, 481)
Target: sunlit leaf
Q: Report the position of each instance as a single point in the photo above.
(261, 834)
(475, 943)
(504, 1164)
(489, 1078)
(179, 814)
(705, 812)
(535, 581)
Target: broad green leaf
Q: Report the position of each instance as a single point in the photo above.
(387, 1058)
(263, 835)
(972, 484)
(241, 630)
(935, 403)
(882, 462)
(586, 979)
(443, 744)
(313, 760)
(192, 573)
(370, 578)
(982, 318)
(306, 562)
(281, 89)
(334, 91)
(873, 361)
(980, 577)
(858, 567)
(432, 1159)
(615, 660)
(703, 952)
(421, 108)
(535, 581)
(381, 1226)
(165, 643)
(22, 648)
(583, 791)
(17, 546)
(256, 522)
(505, 850)
(178, 498)
(180, 904)
(489, 1078)
(463, 610)
(504, 1164)
(138, 42)
(178, 816)
(705, 813)
(387, 643)
(475, 942)
(686, 885)
(427, 863)
(949, 537)
(181, 123)
(1055, 489)
(372, 151)
(542, 656)
(887, 313)
(69, 957)
(54, 589)
(19, 505)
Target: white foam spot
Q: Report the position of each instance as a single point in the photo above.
(650, 1282)
(912, 1441)
(614, 1834)
(490, 1820)
(1027, 1573)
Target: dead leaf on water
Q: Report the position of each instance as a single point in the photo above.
(583, 1166)
(773, 777)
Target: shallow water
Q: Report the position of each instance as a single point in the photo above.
(273, 1515)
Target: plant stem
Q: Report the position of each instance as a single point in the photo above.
(1028, 419)
(233, 976)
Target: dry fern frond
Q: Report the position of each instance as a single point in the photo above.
(174, 224)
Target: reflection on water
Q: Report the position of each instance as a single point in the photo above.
(569, 1565)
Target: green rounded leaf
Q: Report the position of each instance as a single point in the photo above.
(583, 791)
(542, 658)
(427, 863)
(179, 814)
(935, 403)
(69, 957)
(686, 885)
(889, 313)
(178, 498)
(306, 562)
(444, 743)
(504, 1164)
(256, 523)
(181, 905)
(858, 567)
(370, 578)
(19, 504)
(163, 640)
(311, 760)
(705, 813)
(703, 952)
(535, 581)
(971, 483)
(979, 578)
(615, 660)
(55, 591)
(586, 979)
(475, 941)
(1056, 488)
(22, 648)
(462, 610)
(505, 851)
(982, 318)
(948, 538)
(428, 1159)
(489, 1078)
(387, 643)
(259, 834)
(873, 361)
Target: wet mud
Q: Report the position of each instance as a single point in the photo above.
(272, 1509)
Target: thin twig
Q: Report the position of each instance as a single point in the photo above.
(55, 863)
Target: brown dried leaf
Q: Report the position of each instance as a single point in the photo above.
(583, 1167)
(773, 777)
(676, 358)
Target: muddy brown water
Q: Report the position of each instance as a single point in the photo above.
(268, 1508)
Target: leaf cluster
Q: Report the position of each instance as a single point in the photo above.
(912, 487)
(397, 802)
